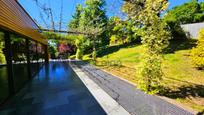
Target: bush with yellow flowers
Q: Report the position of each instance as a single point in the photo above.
(197, 53)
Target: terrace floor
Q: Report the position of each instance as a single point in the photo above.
(56, 90)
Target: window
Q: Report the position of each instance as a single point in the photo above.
(19, 61)
(4, 90)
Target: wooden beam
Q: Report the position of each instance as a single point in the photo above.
(15, 19)
(63, 31)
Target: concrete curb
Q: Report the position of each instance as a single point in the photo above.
(110, 106)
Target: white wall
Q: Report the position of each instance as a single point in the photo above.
(192, 30)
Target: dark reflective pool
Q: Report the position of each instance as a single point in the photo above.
(4, 90)
(55, 90)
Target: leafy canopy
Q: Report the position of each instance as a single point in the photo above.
(190, 12)
(124, 31)
(92, 20)
(74, 23)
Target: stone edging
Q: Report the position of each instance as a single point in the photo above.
(110, 106)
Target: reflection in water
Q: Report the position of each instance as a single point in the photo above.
(55, 90)
(4, 91)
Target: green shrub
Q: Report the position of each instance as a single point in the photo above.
(72, 57)
(2, 58)
(155, 38)
(197, 53)
(79, 54)
(175, 29)
(79, 44)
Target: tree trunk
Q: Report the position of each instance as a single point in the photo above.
(94, 50)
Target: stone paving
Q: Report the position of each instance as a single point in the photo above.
(109, 105)
(130, 98)
(56, 90)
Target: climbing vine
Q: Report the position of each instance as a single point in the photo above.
(154, 38)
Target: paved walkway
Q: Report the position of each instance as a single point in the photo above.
(109, 105)
(130, 98)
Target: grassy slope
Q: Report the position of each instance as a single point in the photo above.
(182, 81)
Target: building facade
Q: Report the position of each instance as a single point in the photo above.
(23, 50)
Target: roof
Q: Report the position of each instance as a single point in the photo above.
(14, 18)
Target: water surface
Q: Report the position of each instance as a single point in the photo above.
(55, 90)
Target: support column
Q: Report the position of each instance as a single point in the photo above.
(37, 56)
(46, 54)
(28, 59)
(9, 62)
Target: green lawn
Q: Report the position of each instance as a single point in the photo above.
(182, 81)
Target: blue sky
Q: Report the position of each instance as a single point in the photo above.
(112, 7)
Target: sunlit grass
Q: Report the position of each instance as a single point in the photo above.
(185, 83)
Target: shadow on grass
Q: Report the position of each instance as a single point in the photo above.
(200, 113)
(115, 48)
(184, 91)
(176, 45)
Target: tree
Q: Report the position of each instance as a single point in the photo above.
(93, 21)
(202, 7)
(154, 38)
(120, 30)
(110, 25)
(197, 53)
(190, 12)
(124, 31)
(74, 23)
(93, 14)
(80, 44)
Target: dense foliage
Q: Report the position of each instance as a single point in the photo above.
(74, 23)
(92, 21)
(190, 12)
(197, 53)
(80, 47)
(2, 55)
(60, 46)
(154, 38)
(123, 31)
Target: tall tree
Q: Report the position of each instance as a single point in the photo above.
(94, 14)
(124, 31)
(154, 39)
(74, 23)
(189, 12)
(94, 21)
(74, 26)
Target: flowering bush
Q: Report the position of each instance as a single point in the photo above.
(197, 53)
